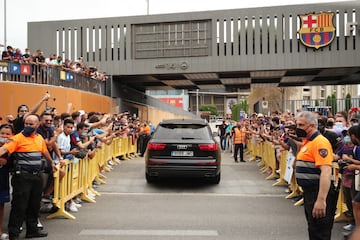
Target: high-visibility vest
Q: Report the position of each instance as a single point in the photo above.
(239, 136)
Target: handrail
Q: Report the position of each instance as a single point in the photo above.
(49, 75)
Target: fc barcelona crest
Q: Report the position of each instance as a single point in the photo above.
(317, 30)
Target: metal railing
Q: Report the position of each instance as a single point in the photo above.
(321, 105)
(49, 75)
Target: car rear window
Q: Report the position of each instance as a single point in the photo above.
(186, 131)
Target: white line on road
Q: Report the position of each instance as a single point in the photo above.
(135, 232)
(254, 195)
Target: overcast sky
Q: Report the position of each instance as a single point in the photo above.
(20, 12)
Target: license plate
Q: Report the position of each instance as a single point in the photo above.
(182, 153)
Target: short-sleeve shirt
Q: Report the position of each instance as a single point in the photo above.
(63, 142)
(74, 139)
(27, 151)
(45, 133)
(314, 152)
(18, 124)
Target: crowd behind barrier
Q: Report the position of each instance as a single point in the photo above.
(268, 148)
(82, 145)
(35, 68)
(80, 176)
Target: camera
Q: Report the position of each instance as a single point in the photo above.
(342, 164)
(117, 126)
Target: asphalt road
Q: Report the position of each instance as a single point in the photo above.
(243, 206)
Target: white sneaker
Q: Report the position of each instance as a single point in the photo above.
(77, 205)
(78, 200)
(72, 207)
(39, 224)
(349, 227)
(90, 194)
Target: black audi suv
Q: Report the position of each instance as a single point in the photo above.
(183, 148)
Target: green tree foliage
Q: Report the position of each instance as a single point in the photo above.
(210, 108)
(331, 101)
(242, 106)
(347, 102)
(317, 103)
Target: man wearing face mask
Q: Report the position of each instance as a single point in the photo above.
(313, 174)
(26, 148)
(340, 124)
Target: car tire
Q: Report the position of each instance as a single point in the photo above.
(216, 179)
(149, 179)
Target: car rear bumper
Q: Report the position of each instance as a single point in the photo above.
(182, 171)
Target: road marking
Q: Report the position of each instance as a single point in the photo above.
(253, 195)
(138, 232)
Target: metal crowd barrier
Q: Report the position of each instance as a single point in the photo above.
(79, 176)
(264, 152)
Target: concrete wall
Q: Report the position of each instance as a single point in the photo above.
(239, 40)
(14, 94)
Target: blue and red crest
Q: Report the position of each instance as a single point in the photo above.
(317, 30)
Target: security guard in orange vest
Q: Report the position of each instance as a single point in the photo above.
(314, 175)
(26, 148)
(239, 141)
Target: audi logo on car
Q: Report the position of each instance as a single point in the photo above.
(182, 147)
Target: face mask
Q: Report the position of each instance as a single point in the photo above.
(338, 125)
(347, 139)
(28, 131)
(300, 132)
(83, 134)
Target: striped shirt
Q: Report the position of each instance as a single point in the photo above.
(27, 151)
(314, 152)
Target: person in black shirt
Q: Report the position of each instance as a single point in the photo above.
(334, 139)
(222, 134)
(23, 112)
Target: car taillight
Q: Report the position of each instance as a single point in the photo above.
(208, 147)
(156, 146)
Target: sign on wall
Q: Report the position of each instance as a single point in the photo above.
(317, 30)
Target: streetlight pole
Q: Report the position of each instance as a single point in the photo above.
(5, 25)
(197, 102)
(148, 6)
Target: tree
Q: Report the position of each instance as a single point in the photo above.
(237, 108)
(209, 107)
(331, 101)
(317, 103)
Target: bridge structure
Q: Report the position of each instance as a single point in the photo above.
(224, 51)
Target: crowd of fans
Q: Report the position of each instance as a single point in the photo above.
(78, 134)
(68, 136)
(38, 58)
(341, 130)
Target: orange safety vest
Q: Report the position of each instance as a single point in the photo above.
(239, 136)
